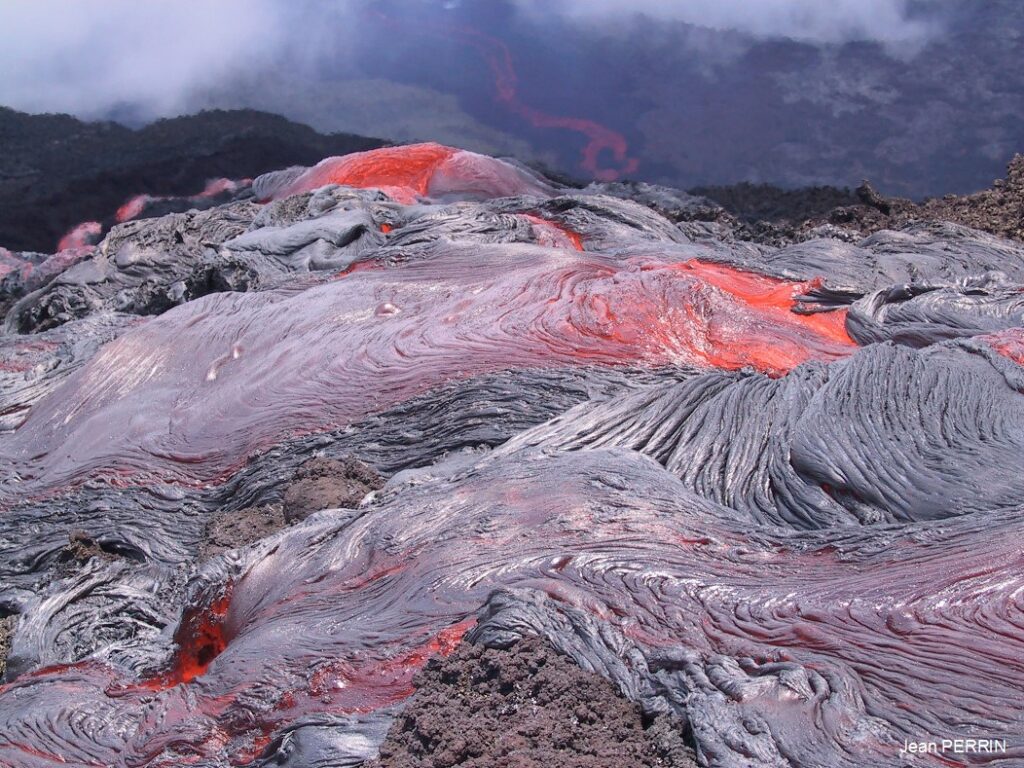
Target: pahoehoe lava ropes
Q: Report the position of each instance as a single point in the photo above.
(773, 492)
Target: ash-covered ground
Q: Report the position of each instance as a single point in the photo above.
(418, 456)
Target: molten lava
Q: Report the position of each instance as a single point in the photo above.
(1009, 343)
(552, 234)
(402, 172)
(200, 639)
(85, 235)
(136, 206)
(399, 332)
(599, 426)
(414, 171)
(601, 140)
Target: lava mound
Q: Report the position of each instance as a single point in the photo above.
(263, 459)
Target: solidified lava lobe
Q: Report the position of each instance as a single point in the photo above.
(559, 307)
(9, 263)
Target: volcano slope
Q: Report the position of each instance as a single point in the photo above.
(57, 171)
(769, 492)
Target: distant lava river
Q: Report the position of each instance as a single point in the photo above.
(660, 449)
(604, 157)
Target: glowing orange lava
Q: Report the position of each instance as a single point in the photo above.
(81, 236)
(201, 639)
(769, 293)
(132, 208)
(496, 53)
(1008, 343)
(553, 235)
(705, 314)
(402, 172)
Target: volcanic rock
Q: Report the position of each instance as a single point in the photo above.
(768, 492)
(775, 216)
(525, 706)
(326, 483)
(6, 630)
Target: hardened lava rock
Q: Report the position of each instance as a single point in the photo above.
(261, 462)
(525, 706)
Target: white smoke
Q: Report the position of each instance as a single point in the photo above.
(814, 21)
(88, 57)
(151, 57)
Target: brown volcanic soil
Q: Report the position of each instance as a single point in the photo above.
(319, 483)
(523, 707)
(328, 483)
(776, 216)
(231, 529)
(999, 210)
(6, 630)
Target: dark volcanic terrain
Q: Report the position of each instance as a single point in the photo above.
(930, 103)
(56, 171)
(774, 214)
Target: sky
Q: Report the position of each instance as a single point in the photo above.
(89, 58)
(920, 96)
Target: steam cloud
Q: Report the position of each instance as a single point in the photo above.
(151, 57)
(815, 21)
(87, 58)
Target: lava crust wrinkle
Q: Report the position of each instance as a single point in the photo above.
(768, 493)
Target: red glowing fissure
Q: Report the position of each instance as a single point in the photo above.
(552, 234)
(1008, 343)
(496, 53)
(201, 639)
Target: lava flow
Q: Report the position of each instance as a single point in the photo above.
(214, 189)
(414, 171)
(84, 235)
(87, 234)
(273, 365)
(606, 154)
(261, 462)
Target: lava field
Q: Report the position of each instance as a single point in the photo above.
(423, 398)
